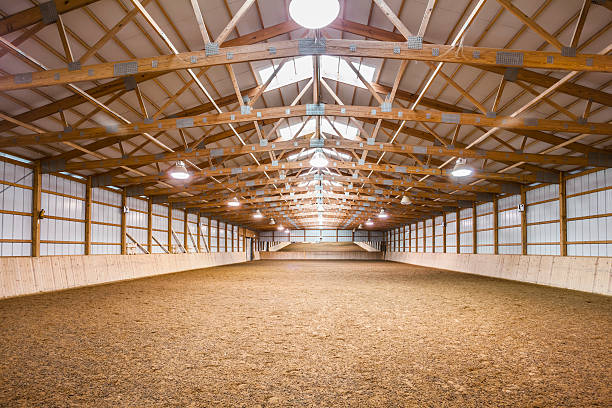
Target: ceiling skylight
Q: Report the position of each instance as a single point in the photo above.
(288, 132)
(301, 68)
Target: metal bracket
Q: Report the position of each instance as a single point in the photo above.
(74, 66)
(510, 74)
(125, 68)
(130, 83)
(48, 12)
(415, 43)
(211, 48)
(316, 143)
(315, 109)
(311, 46)
(509, 58)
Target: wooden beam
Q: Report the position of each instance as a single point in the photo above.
(363, 112)
(170, 250)
(203, 154)
(507, 4)
(290, 48)
(34, 15)
(584, 11)
(495, 226)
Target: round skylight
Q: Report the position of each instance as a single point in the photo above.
(314, 14)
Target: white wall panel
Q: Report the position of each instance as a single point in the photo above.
(465, 228)
(590, 236)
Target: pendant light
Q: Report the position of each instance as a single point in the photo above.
(258, 215)
(318, 159)
(461, 168)
(234, 202)
(314, 14)
(179, 171)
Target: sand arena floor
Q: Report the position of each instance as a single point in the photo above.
(308, 333)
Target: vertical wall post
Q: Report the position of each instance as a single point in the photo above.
(185, 233)
(123, 222)
(199, 232)
(416, 232)
(218, 236)
(409, 237)
(562, 215)
(444, 232)
(524, 222)
(474, 230)
(36, 193)
(458, 230)
(170, 228)
(433, 234)
(88, 216)
(209, 247)
(150, 225)
(495, 226)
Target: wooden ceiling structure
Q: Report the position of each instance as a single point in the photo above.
(118, 91)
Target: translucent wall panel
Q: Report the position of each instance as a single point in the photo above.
(137, 222)
(222, 237)
(160, 228)
(428, 235)
(105, 221)
(438, 232)
(420, 240)
(62, 231)
(413, 239)
(465, 229)
(542, 212)
(15, 210)
(213, 235)
(451, 233)
(192, 227)
(589, 223)
(509, 224)
(484, 229)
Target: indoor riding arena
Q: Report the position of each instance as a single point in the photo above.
(305, 203)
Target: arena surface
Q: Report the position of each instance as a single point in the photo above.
(308, 333)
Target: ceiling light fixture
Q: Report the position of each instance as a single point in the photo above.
(272, 222)
(258, 215)
(406, 200)
(461, 168)
(369, 222)
(313, 14)
(280, 228)
(234, 202)
(179, 171)
(382, 214)
(318, 159)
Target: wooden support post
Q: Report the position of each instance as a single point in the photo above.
(524, 222)
(36, 193)
(495, 226)
(209, 247)
(444, 233)
(199, 232)
(458, 230)
(336, 234)
(409, 237)
(562, 215)
(474, 230)
(123, 222)
(369, 236)
(218, 236)
(433, 235)
(416, 232)
(150, 226)
(233, 239)
(88, 217)
(353, 235)
(170, 229)
(186, 232)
